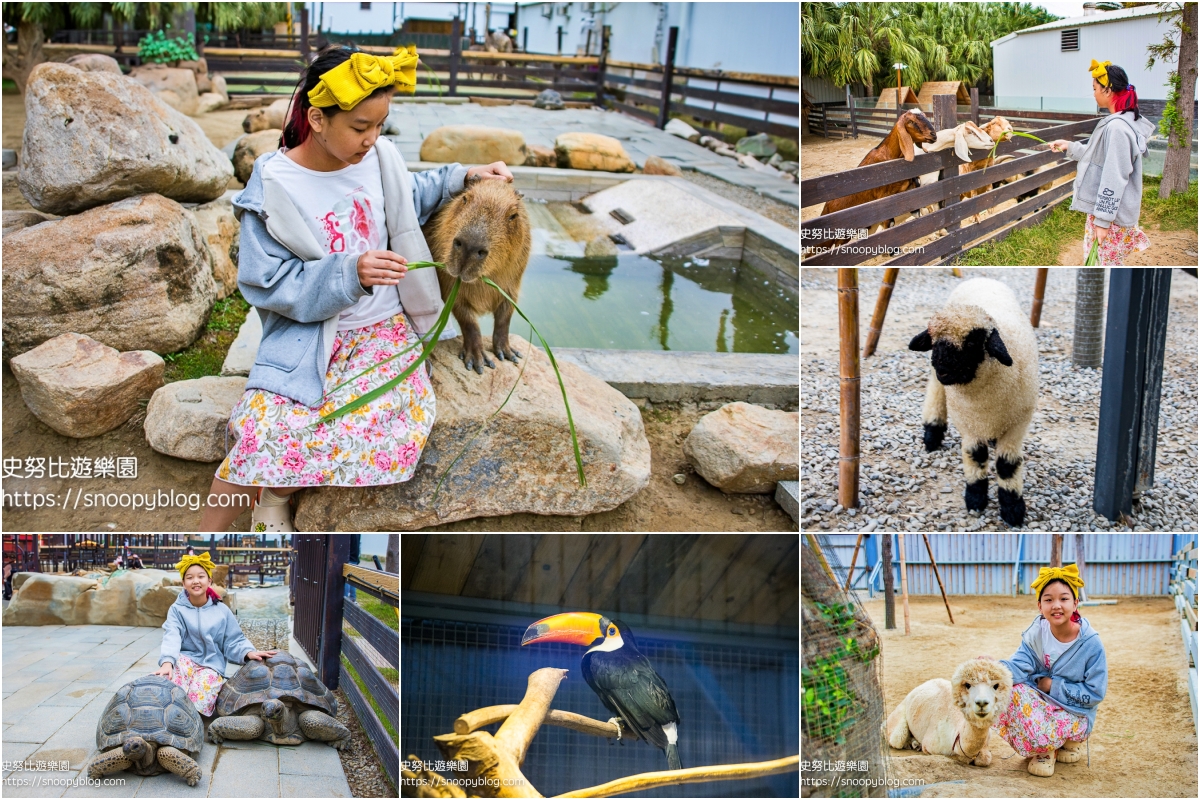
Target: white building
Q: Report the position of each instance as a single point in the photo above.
(1046, 67)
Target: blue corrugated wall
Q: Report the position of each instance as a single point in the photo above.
(987, 563)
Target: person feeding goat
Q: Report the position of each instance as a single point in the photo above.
(984, 379)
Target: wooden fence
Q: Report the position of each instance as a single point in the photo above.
(1183, 586)
(1033, 205)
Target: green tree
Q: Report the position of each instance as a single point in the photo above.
(1179, 117)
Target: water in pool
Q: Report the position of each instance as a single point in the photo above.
(631, 302)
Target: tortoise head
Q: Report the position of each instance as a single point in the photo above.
(135, 748)
(272, 709)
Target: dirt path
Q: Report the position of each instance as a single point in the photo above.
(1144, 744)
(1167, 249)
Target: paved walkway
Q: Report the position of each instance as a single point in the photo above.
(57, 681)
(640, 140)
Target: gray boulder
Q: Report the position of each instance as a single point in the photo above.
(743, 448)
(95, 137)
(550, 100)
(759, 145)
(521, 463)
(175, 87)
(82, 388)
(134, 275)
(186, 419)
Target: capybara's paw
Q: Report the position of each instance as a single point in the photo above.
(475, 360)
(506, 351)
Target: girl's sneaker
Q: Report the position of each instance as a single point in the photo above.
(1069, 752)
(1042, 765)
(271, 513)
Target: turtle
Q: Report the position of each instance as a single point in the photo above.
(151, 727)
(280, 701)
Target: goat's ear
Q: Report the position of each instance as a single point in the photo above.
(906, 142)
(921, 342)
(996, 349)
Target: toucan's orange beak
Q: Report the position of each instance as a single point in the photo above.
(577, 627)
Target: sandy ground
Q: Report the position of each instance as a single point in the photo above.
(820, 156)
(1144, 742)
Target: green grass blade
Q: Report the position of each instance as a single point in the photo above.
(1014, 133)
(557, 374)
(374, 394)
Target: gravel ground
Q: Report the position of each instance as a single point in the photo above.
(785, 215)
(904, 488)
(363, 770)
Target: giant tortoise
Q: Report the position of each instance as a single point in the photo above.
(280, 701)
(151, 727)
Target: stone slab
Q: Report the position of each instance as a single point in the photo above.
(314, 785)
(251, 772)
(41, 725)
(10, 158)
(310, 758)
(240, 357)
(787, 494)
(11, 752)
(76, 694)
(760, 378)
(38, 783)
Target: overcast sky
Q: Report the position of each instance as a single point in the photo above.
(1063, 9)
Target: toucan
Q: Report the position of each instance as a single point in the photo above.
(620, 675)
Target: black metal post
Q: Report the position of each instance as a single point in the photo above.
(525, 41)
(560, 40)
(329, 659)
(605, 33)
(1130, 388)
(455, 46)
(664, 104)
(304, 49)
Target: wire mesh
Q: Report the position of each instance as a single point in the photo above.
(736, 704)
(842, 708)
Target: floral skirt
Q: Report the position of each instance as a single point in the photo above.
(281, 442)
(1119, 243)
(1032, 725)
(201, 684)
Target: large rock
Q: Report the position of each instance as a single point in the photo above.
(95, 62)
(221, 232)
(134, 275)
(678, 127)
(17, 220)
(745, 448)
(82, 388)
(251, 146)
(187, 419)
(592, 151)
(139, 597)
(522, 462)
(175, 87)
(474, 144)
(210, 101)
(660, 166)
(218, 86)
(759, 145)
(94, 137)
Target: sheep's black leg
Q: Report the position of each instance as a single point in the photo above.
(1012, 504)
(934, 433)
(975, 468)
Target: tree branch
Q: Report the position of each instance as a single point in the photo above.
(654, 780)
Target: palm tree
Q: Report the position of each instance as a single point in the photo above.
(845, 42)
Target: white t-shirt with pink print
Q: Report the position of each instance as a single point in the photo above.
(344, 209)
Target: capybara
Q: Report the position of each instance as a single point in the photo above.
(272, 116)
(483, 231)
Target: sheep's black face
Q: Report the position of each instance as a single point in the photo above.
(955, 365)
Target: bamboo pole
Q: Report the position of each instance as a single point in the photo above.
(849, 369)
(881, 307)
(903, 583)
(889, 587)
(812, 542)
(1039, 291)
(1079, 559)
(938, 575)
(853, 559)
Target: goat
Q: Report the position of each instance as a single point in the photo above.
(966, 136)
(912, 126)
(998, 129)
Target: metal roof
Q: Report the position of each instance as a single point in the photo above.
(1094, 19)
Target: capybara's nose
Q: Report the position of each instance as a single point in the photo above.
(469, 248)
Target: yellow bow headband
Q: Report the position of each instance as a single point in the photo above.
(203, 560)
(1069, 573)
(349, 82)
(1099, 71)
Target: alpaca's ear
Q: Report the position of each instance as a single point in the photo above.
(921, 342)
(996, 349)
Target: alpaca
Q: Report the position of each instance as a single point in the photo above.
(953, 718)
(984, 379)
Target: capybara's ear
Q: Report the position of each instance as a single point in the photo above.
(520, 194)
(921, 342)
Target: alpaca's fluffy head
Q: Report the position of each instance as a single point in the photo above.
(961, 337)
(981, 686)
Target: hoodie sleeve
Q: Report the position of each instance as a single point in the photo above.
(271, 277)
(1118, 167)
(1088, 692)
(1023, 665)
(433, 188)
(172, 638)
(236, 645)
(1075, 150)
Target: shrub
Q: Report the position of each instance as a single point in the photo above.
(156, 48)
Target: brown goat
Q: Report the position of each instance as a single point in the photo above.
(913, 126)
(998, 129)
(483, 231)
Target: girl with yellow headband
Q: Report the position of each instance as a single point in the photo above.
(200, 635)
(1060, 675)
(329, 224)
(1108, 184)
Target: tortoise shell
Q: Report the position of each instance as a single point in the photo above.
(155, 709)
(274, 678)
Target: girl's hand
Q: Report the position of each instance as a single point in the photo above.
(381, 268)
(1044, 684)
(1059, 145)
(497, 170)
(1101, 233)
(164, 670)
(259, 655)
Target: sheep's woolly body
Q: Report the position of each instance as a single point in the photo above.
(953, 717)
(997, 403)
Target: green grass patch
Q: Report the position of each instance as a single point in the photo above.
(206, 355)
(362, 687)
(380, 610)
(10, 86)
(1176, 213)
(391, 675)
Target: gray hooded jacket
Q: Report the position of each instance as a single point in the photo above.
(1109, 181)
(1078, 679)
(299, 290)
(209, 635)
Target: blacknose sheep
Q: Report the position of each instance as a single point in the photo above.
(985, 375)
